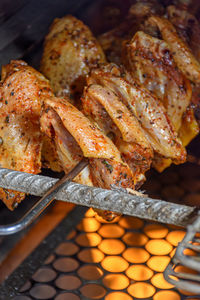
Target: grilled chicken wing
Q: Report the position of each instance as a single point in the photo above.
(22, 89)
(70, 51)
(106, 109)
(148, 110)
(182, 55)
(78, 137)
(150, 61)
(75, 136)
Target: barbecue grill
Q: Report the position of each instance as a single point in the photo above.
(125, 259)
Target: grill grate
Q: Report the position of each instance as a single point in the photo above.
(103, 261)
(99, 260)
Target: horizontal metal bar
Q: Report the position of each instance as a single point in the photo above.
(41, 205)
(115, 200)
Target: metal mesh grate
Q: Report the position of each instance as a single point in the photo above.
(120, 260)
(108, 261)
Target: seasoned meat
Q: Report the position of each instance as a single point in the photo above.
(106, 109)
(78, 137)
(22, 89)
(188, 28)
(147, 109)
(70, 51)
(150, 61)
(182, 55)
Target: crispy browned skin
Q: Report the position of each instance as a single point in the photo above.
(106, 109)
(147, 109)
(22, 89)
(76, 137)
(150, 61)
(24, 92)
(182, 55)
(70, 51)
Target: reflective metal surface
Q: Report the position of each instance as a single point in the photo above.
(43, 203)
(190, 280)
(117, 200)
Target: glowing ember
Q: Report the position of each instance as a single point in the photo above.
(141, 290)
(155, 231)
(158, 247)
(114, 264)
(111, 231)
(135, 239)
(136, 255)
(126, 259)
(112, 246)
(158, 263)
(139, 272)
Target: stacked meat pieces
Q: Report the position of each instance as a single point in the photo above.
(126, 111)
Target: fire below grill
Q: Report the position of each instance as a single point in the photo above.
(124, 259)
(99, 260)
(93, 260)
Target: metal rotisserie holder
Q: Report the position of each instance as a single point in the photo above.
(22, 31)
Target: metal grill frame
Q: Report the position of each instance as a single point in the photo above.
(18, 277)
(186, 281)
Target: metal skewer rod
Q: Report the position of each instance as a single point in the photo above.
(43, 203)
(116, 200)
